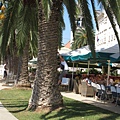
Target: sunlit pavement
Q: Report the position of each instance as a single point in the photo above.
(91, 100)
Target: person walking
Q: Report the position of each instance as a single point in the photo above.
(64, 67)
(5, 71)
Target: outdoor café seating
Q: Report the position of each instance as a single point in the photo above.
(86, 90)
(118, 95)
(99, 89)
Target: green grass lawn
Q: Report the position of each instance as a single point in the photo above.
(16, 101)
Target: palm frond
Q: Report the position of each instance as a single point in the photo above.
(34, 30)
(71, 8)
(80, 38)
(47, 8)
(115, 6)
(88, 25)
(24, 26)
(94, 13)
(9, 23)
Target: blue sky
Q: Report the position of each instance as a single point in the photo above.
(66, 32)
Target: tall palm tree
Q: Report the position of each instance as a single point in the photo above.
(21, 20)
(28, 24)
(45, 92)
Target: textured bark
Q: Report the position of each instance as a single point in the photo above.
(29, 3)
(12, 57)
(45, 93)
(24, 78)
(15, 61)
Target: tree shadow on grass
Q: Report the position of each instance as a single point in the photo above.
(78, 110)
(22, 105)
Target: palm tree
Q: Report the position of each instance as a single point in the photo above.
(10, 55)
(80, 39)
(88, 23)
(21, 23)
(45, 91)
(28, 24)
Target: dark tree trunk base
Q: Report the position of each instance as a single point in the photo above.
(45, 109)
(24, 85)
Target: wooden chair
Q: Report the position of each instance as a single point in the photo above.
(76, 87)
(86, 90)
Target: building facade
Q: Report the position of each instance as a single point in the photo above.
(105, 36)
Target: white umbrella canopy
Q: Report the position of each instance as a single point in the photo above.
(109, 49)
(81, 51)
(116, 55)
(64, 50)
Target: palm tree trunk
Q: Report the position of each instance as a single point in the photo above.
(12, 57)
(24, 78)
(15, 61)
(45, 93)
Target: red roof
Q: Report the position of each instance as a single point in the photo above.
(67, 45)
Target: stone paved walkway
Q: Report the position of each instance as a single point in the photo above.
(90, 100)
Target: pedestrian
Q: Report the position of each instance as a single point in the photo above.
(5, 71)
(64, 67)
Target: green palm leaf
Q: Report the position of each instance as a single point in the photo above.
(71, 8)
(9, 23)
(47, 7)
(88, 25)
